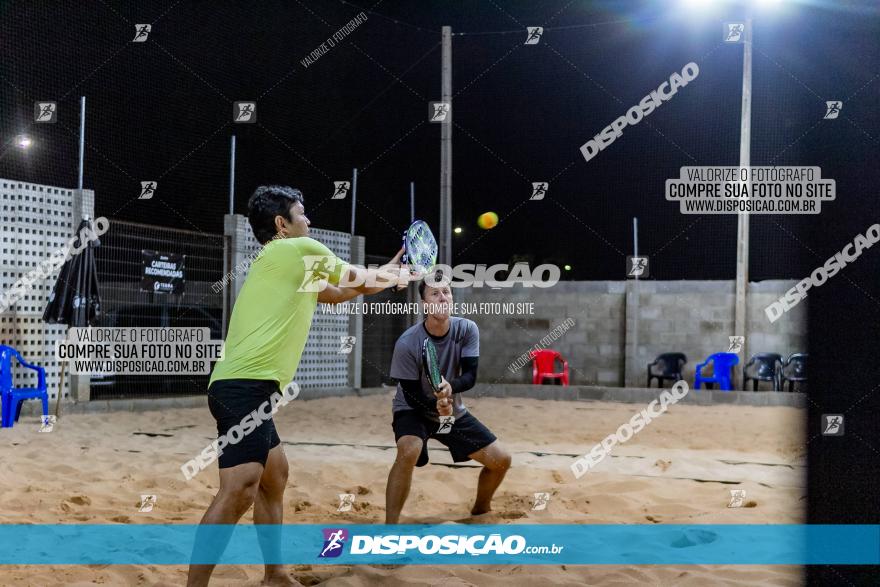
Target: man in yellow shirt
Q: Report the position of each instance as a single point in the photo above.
(267, 333)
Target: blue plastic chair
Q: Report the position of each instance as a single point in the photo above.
(722, 369)
(12, 396)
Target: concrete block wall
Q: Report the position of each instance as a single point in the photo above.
(594, 346)
(620, 327)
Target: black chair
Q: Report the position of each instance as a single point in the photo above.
(795, 370)
(668, 366)
(762, 367)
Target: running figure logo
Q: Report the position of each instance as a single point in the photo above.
(734, 32)
(832, 109)
(446, 423)
(334, 540)
(340, 190)
(533, 34)
(737, 497)
(346, 501)
(141, 32)
(45, 112)
(318, 269)
(736, 344)
(148, 188)
(832, 424)
(147, 503)
(244, 112)
(541, 501)
(636, 266)
(439, 112)
(47, 423)
(346, 344)
(539, 190)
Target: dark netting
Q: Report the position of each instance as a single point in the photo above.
(162, 110)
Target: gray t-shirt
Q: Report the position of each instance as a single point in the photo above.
(462, 340)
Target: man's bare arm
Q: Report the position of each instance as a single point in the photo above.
(334, 294)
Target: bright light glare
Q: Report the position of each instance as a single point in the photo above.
(23, 141)
(568, 267)
(698, 4)
(457, 230)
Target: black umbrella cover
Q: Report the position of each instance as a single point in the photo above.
(75, 300)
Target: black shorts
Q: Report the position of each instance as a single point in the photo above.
(230, 401)
(468, 435)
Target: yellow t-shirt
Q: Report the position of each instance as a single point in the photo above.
(273, 313)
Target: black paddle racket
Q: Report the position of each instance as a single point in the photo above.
(431, 365)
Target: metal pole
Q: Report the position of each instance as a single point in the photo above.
(445, 248)
(82, 140)
(636, 239)
(742, 225)
(231, 174)
(412, 201)
(354, 196)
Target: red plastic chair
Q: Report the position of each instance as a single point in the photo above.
(544, 365)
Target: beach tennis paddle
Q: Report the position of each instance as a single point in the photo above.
(419, 249)
(431, 365)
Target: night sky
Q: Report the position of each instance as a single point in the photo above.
(162, 110)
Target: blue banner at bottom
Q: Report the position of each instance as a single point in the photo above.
(705, 544)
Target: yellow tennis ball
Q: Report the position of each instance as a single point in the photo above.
(487, 220)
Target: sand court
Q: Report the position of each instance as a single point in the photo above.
(94, 468)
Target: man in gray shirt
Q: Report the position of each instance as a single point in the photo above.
(417, 409)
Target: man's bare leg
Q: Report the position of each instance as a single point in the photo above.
(496, 462)
(238, 489)
(269, 509)
(400, 478)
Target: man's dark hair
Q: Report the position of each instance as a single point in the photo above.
(267, 202)
(436, 280)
